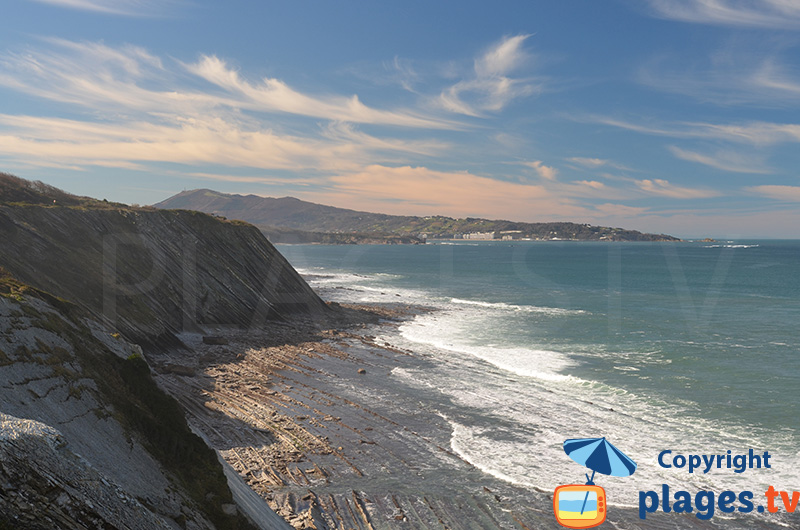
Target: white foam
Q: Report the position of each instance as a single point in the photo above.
(730, 246)
(521, 308)
(449, 331)
(513, 429)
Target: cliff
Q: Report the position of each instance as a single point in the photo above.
(148, 273)
(87, 440)
(88, 291)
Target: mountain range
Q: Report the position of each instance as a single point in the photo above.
(291, 220)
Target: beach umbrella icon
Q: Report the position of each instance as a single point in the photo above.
(599, 455)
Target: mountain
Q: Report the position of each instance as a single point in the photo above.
(277, 216)
(90, 293)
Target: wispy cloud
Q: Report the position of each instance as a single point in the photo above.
(588, 162)
(664, 188)
(727, 161)
(138, 8)
(595, 163)
(141, 109)
(405, 74)
(490, 88)
(102, 77)
(757, 133)
(591, 184)
(262, 179)
(754, 133)
(777, 192)
(174, 139)
(772, 14)
(733, 76)
(274, 95)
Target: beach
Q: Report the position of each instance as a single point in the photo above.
(319, 421)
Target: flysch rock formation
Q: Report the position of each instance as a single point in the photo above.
(89, 292)
(45, 485)
(149, 274)
(63, 452)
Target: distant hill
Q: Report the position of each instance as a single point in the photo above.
(291, 220)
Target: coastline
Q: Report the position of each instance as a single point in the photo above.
(315, 421)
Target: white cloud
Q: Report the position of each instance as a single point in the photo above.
(588, 162)
(406, 75)
(595, 163)
(274, 95)
(142, 109)
(777, 192)
(735, 75)
(664, 188)
(729, 161)
(756, 133)
(546, 172)
(140, 8)
(177, 140)
(772, 14)
(130, 78)
(592, 184)
(491, 88)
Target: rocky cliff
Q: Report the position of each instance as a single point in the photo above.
(87, 440)
(148, 273)
(89, 290)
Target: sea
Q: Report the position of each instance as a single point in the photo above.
(689, 347)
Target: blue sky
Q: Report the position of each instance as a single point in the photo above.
(674, 116)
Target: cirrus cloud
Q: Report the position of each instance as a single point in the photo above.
(135, 8)
(772, 14)
(777, 192)
(491, 87)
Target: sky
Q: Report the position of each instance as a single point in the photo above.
(667, 116)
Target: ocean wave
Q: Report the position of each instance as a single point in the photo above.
(731, 246)
(499, 422)
(513, 307)
(483, 454)
(443, 335)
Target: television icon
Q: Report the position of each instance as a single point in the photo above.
(579, 505)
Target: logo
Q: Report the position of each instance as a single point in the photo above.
(585, 505)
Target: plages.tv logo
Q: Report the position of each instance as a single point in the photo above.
(585, 505)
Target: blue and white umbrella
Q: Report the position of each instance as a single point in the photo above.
(600, 456)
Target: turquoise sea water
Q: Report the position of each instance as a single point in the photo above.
(685, 346)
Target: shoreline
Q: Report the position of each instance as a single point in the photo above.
(330, 447)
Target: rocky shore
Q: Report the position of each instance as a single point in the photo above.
(314, 420)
